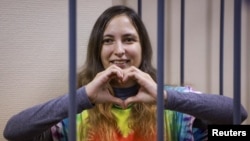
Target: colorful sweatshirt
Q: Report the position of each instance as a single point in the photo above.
(48, 121)
(178, 126)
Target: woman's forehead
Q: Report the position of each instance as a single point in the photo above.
(120, 24)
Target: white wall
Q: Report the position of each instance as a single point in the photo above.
(34, 47)
(34, 50)
(202, 29)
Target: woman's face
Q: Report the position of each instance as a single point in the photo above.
(121, 44)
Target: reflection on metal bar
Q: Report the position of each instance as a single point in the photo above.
(72, 70)
(182, 42)
(237, 61)
(160, 70)
(221, 64)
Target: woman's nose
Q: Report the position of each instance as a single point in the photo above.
(119, 49)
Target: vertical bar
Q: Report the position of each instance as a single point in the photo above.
(221, 46)
(237, 60)
(182, 41)
(139, 4)
(160, 70)
(72, 70)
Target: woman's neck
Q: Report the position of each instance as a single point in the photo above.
(116, 84)
(124, 93)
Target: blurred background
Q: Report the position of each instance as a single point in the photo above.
(34, 47)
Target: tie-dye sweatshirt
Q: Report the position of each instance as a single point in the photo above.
(48, 121)
(178, 126)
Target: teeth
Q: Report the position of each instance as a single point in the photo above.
(119, 62)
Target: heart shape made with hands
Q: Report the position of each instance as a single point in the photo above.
(100, 90)
(145, 93)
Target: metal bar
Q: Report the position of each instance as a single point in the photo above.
(182, 50)
(237, 61)
(160, 70)
(72, 70)
(139, 4)
(221, 64)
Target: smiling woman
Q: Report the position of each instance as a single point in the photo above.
(121, 44)
(117, 94)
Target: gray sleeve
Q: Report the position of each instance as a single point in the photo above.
(32, 122)
(212, 108)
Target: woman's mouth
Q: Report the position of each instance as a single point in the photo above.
(120, 63)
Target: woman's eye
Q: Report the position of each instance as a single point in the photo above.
(129, 40)
(107, 41)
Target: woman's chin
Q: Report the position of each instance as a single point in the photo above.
(116, 84)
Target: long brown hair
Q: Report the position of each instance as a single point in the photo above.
(100, 119)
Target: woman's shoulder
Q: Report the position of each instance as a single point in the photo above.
(186, 88)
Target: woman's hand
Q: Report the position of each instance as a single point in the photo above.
(98, 89)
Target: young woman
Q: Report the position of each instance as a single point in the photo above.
(116, 98)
